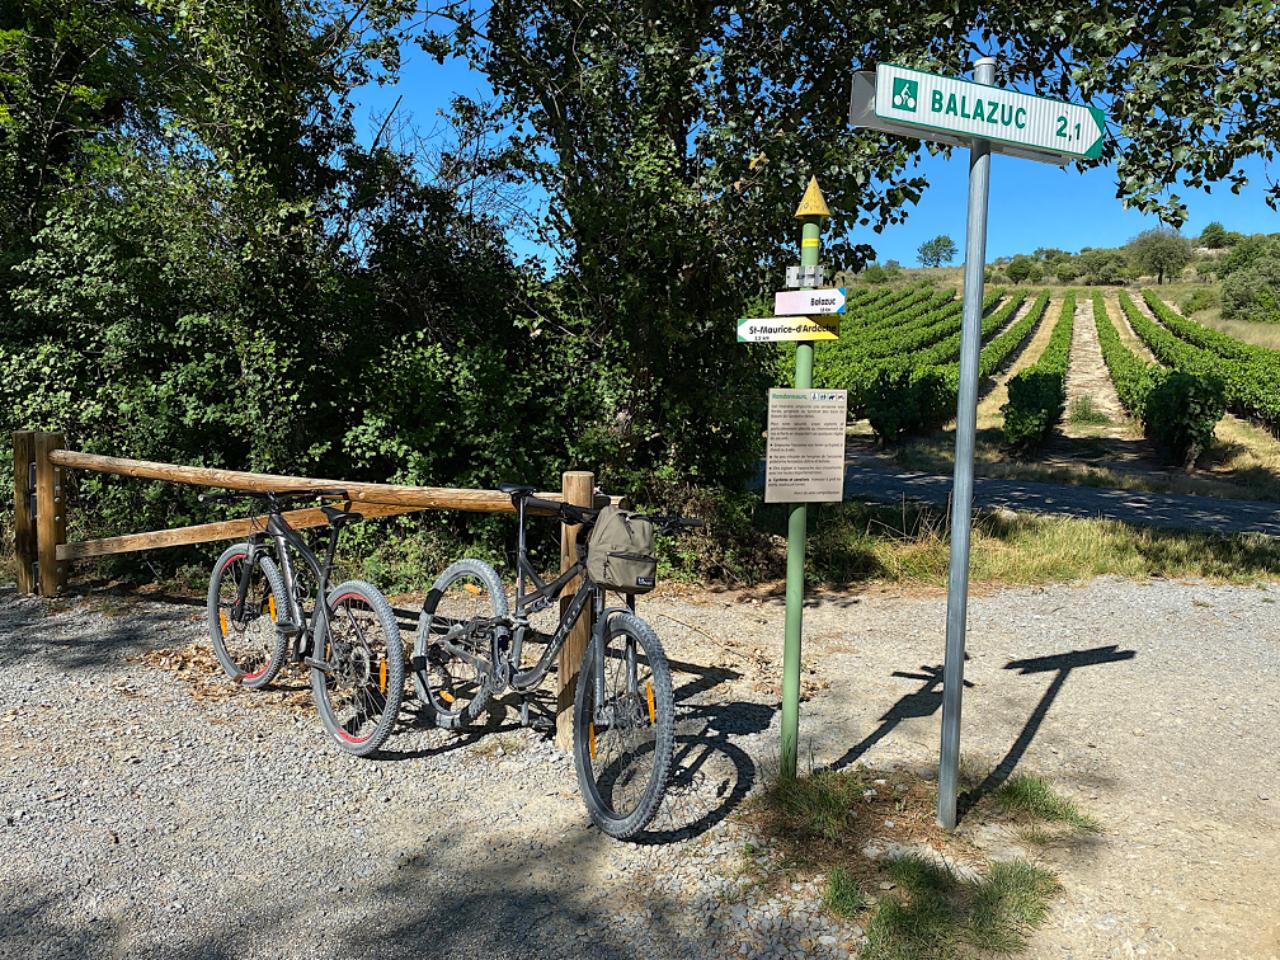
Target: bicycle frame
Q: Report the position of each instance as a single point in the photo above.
(283, 537)
(542, 596)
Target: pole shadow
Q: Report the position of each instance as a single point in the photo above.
(1061, 665)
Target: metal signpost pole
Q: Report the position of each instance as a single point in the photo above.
(975, 258)
(811, 212)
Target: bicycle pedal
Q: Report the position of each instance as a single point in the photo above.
(288, 628)
(315, 664)
(539, 723)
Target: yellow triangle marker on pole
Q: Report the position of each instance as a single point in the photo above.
(812, 204)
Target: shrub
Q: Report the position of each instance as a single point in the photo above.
(1178, 408)
(1253, 292)
(1202, 298)
(1181, 413)
(1038, 394)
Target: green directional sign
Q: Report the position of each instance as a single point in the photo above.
(955, 110)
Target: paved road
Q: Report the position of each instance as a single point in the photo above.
(1181, 511)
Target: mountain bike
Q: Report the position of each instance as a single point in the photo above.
(468, 649)
(258, 606)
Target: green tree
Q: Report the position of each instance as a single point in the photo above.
(937, 252)
(1160, 251)
(1019, 268)
(1050, 254)
(1101, 266)
(214, 271)
(1249, 251)
(1067, 269)
(1213, 236)
(672, 142)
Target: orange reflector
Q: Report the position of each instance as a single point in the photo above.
(222, 621)
(271, 605)
(653, 713)
(446, 696)
(382, 676)
(470, 588)
(591, 739)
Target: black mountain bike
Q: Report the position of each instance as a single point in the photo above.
(258, 603)
(468, 649)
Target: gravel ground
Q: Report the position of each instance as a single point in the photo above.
(148, 810)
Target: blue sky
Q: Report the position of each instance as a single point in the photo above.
(1032, 204)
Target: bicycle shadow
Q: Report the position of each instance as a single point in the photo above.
(710, 774)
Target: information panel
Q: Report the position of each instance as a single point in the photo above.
(805, 454)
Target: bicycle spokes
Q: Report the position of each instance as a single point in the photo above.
(248, 630)
(357, 669)
(622, 733)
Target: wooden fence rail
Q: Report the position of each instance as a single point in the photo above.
(41, 462)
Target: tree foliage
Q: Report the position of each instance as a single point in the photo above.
(203, 265)
(937, 252)
(1213, 236)
(1160, 252)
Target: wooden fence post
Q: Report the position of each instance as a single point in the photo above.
(577, 487)
(24, 519)
(51, 514)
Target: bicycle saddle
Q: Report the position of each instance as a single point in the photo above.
(337, 516)
(516, 488)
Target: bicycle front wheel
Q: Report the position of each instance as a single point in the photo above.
(623, 732)
(454, 691)
(248, 644)
(359, 689)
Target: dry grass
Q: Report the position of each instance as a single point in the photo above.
(857, 542)
(911, 902)
(1259, 334)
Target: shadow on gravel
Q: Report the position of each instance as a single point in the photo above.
(74, 637)
(428, 902)
(923, 702)
(710, 775)
(1061, 665)
(545, 903)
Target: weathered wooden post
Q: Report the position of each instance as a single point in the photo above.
(24, 515)
(577, 487)
(51, 515)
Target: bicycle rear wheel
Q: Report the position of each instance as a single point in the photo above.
(248, 644)
(358, 695)
(622, 741)
(453, 691)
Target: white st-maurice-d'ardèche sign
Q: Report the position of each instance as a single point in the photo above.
(805, 456)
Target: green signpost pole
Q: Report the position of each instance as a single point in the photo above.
(811, 212)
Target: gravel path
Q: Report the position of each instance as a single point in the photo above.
(149, 810)
(1087, 376)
